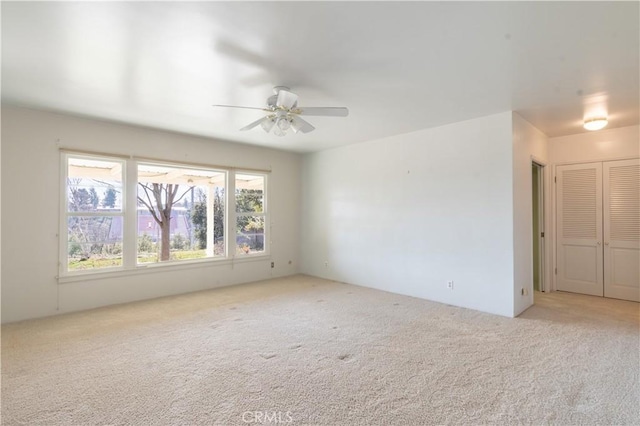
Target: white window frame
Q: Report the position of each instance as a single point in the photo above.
(130, 218)
(65, 214)
(168, 164)
(264, 213)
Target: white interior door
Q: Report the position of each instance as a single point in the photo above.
(622, 229)
(579, 192)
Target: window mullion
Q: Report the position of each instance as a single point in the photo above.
(210, 220)
(130, 207)
(265, 212)
(63, 236)
(230, 202)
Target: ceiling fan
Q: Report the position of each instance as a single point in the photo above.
(283, 113)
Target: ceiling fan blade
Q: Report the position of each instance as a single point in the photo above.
(241, 107)
(300, 125)
(286, 99)
(323, 111)
(236, 51)
(254, 124)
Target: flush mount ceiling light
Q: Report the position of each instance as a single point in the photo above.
(595, 123)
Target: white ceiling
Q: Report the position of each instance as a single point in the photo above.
(398, 67)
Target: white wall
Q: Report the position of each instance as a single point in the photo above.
(30, 218)
(528, 143)
(410, 212)
(611, 144)
(0, 217)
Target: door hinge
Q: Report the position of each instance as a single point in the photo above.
(555, 179)
(556, 271)
(542, 234)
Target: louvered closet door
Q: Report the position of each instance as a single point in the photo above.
(579, 192)
(622, 229)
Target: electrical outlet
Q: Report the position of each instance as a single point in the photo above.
(326, 263)
(450, 285)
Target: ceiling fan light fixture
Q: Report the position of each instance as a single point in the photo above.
(283, 123)
(295, 126)
(268, 124)
(596, 123)
(283, 113)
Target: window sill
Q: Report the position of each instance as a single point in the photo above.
(159, 268)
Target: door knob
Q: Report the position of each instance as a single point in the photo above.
(606, 244)
(599, 243)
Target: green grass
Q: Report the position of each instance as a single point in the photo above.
(175, 255)
(94, 263)
(188, 254)
(110, 262)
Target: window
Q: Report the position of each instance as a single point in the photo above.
(180, 213)
(250, 213)
(94, 214)
(123, 214)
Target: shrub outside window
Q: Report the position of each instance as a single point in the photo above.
(180, 213)
(94, 213)
(251, 213)
(120, 213)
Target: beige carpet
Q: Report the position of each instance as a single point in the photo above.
(309, 351)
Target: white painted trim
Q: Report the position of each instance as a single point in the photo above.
(542, 207)
(554, 255)
(548, 228)
(130, 219)
(62, 213)
(548, 179)
(538, 161)
(265, 214)
(65, 214)
(548, 187)
(157, 160)
(191, 165)
(600, 160)
(230, 216)
(130, 204)
(73, 151)
(157, 268)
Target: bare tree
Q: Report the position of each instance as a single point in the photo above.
(159, 199)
